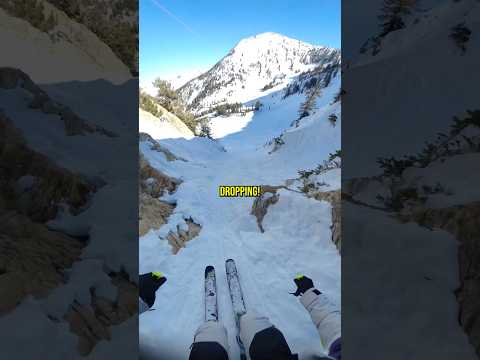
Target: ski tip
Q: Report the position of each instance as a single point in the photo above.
(229, 260)
(209, 268)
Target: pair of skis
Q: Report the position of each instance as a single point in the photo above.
(236, 295)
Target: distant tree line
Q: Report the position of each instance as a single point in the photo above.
(32, 11)
(113, 21)
(233, 108)
(224, 109)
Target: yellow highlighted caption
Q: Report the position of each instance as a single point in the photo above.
(239, 191)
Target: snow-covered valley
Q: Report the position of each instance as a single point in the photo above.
(297, 235)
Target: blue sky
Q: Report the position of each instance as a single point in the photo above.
(182, 35)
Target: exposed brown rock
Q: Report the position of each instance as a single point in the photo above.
(153, 182)
(50, 184)
(336, 226)
(463, 221)
(155, 145)
(334, 198)
(260, 205)
(32, 259)
(178, 239)
(153, 213)
(92, 322)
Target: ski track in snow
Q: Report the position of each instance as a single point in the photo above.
(297, 236)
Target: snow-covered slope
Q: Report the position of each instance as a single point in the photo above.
(71, 139)
(297, 237)
(397, 98)
(426, 102)
(178, 80)
(63, 137)
(265, 61)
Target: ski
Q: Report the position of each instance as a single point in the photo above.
(238, 302)
(211, 306)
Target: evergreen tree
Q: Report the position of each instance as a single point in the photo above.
(339, 95)
(169, 99)
(392, 14)
(165, 89)
(310, 102)
(333, 119)
(166, 95)
(336, 154)
(225, 109)
(36, 15)
(205, 131)
(461, 35)
(148, 104)
(19, 9)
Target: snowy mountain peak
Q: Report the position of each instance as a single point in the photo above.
(268, 39)
(269, 44)
(256, 64)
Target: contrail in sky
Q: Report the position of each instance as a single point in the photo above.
(174, 17)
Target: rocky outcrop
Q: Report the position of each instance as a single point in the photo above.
(463, 221)
(153, 213)
(178, 239)
(336, 226)
(270, 197)
(153, 184)
(406, 197)
(32, 184)
(155, 145)
(92, 322)
(32, 259)
(334, 198)
(260, 205)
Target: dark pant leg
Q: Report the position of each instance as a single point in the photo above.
(335, 350)
(210, 342)
(270, 344)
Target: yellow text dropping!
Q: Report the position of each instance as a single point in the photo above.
(239, 191)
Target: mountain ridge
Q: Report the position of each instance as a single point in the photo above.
(254, 65)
